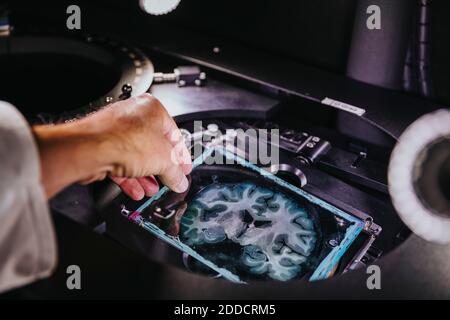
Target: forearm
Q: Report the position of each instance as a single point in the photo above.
(70, 153)
(120, 141)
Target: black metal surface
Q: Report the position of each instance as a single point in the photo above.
(428, 263)
(216, 99)
(387, 110)
(282, 76)
(356, 168)
(112, 271)
(415, 269)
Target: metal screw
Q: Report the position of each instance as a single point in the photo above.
(333, 242)
(340, 222)
(367, 223)
(303, 160)
(127, 88)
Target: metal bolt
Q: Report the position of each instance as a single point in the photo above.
(315, 139)
(310, 145)
(303, 160)
(333, 242)
(368, 223)
(181, 83)
(127, 88)
(198, 82)
(340, 222)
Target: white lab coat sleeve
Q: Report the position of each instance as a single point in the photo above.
(27, 238)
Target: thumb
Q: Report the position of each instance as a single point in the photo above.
(172, 174)
(174, 178)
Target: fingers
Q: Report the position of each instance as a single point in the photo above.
(149, 184)
(174, 178)
(180, 152)
(182, 156)
(137, 188)
(118, 180)
(154, 147)
(131, 187)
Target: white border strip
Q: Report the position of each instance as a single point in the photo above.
(343, 106)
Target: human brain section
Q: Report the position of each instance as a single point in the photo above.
(272, 235)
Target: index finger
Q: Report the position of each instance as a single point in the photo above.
(173, 134)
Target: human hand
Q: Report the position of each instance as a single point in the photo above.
(135, 138)
(137, 188)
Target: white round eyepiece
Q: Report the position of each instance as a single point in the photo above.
(418, 177)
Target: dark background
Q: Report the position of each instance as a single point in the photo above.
(314, 32)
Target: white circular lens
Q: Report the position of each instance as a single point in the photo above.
(421, 219)
(158, 7)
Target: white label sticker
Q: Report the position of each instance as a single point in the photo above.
(343, 106)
